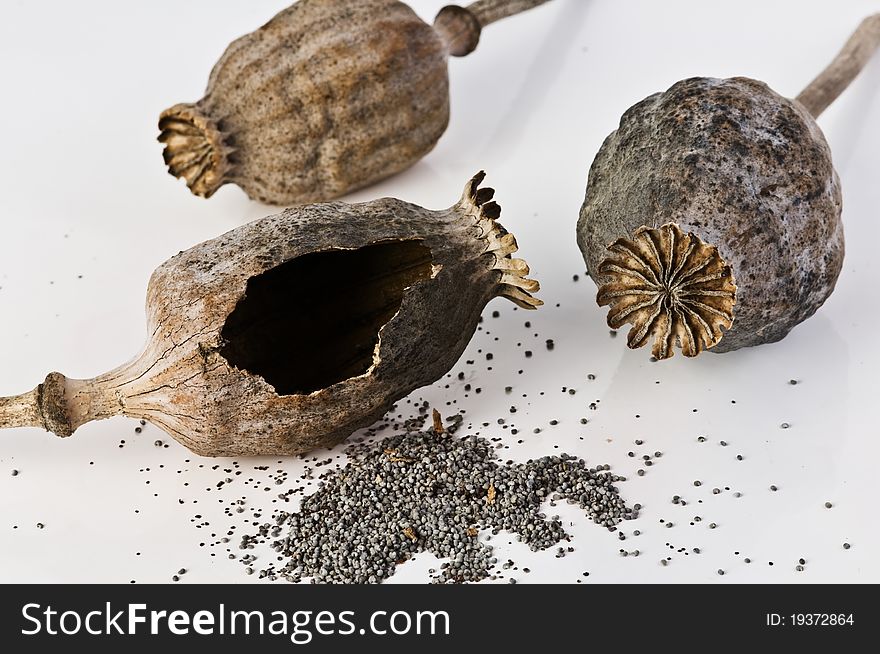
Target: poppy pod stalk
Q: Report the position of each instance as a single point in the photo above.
(327, 97)
(291, 332)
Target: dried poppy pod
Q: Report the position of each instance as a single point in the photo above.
(327, 97)
(712, 214)
(291, 332)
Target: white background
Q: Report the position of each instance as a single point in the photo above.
(84, 192)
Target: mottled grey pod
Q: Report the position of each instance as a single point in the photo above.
(327, 97)
(738, 170)
(291, 332)
(712, 214)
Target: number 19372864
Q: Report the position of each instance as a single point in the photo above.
(810, 620)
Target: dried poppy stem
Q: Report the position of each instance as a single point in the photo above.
(21, 410)
(62, 405)
(489, 11)
(848, 63)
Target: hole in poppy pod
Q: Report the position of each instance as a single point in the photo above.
(314, 320)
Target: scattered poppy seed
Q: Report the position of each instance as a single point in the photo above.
(785, 425)
(828, 505)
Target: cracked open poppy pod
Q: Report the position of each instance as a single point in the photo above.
(327, 97)
(712, 214)
(291, 332)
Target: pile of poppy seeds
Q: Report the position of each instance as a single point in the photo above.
(433, 491)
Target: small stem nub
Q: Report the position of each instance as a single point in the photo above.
(460, 27)
(60, 405)
(44, 407)
(844, 68)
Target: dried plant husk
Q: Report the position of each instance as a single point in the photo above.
(327, 97)
(738, 169)
(712, 214)
(291, 332)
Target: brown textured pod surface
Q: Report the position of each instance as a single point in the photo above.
(291, 332)
(327, 97)
(324, 98)
(744, 170)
